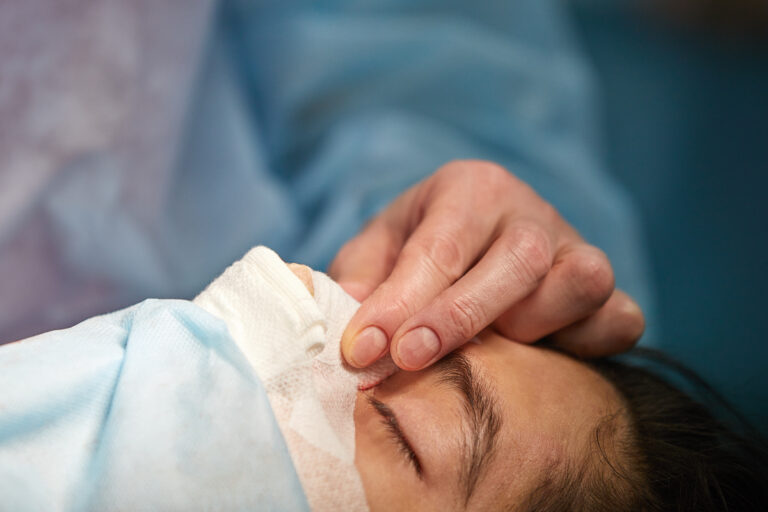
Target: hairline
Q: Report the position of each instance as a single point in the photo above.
(601, 469)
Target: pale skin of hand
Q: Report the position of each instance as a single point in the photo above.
(473, 246)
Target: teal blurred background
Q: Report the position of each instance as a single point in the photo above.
(685, 117)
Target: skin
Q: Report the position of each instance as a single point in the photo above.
(473, 246)
(549, 403)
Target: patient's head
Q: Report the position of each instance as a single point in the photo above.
(506, 426)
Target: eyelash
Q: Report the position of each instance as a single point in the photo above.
(403, 446)
(390, 423)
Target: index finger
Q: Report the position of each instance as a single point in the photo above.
(439, 252)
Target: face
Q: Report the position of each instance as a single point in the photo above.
(479, 430)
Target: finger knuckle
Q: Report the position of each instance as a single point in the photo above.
(494, 181)
(443, 254)
(465, 317)
(452, 169)
(490, 170)
(529, 252)
(479, 183)
(591, 275)
(549, 214)
(483, 169)
(393, 309)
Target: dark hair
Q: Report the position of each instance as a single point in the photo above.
(664, 452)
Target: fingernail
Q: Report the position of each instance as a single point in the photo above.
(368, 346)
(418, 347)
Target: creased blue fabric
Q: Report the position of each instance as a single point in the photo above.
(149, 408)
(303, 120)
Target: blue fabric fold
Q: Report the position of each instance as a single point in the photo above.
(149, 408)
(303, 121)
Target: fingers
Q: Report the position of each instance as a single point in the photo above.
(613, 329)
(510, 270)
(469, 246)
(580, 282)
(438, 253)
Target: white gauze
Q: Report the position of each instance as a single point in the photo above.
(292, 340)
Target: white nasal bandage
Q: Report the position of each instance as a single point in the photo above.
(292, 339)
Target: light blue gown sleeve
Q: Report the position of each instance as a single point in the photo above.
(339, 106)
(149, 408)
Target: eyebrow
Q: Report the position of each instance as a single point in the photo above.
(481, 414)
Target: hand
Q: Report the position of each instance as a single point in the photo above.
(472, 246)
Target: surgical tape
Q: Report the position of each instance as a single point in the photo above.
(292, 340)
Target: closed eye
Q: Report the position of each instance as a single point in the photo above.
(389, 420)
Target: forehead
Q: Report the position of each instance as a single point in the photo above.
(550, 405)
(538, 383)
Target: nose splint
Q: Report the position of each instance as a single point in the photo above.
(292, 340)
